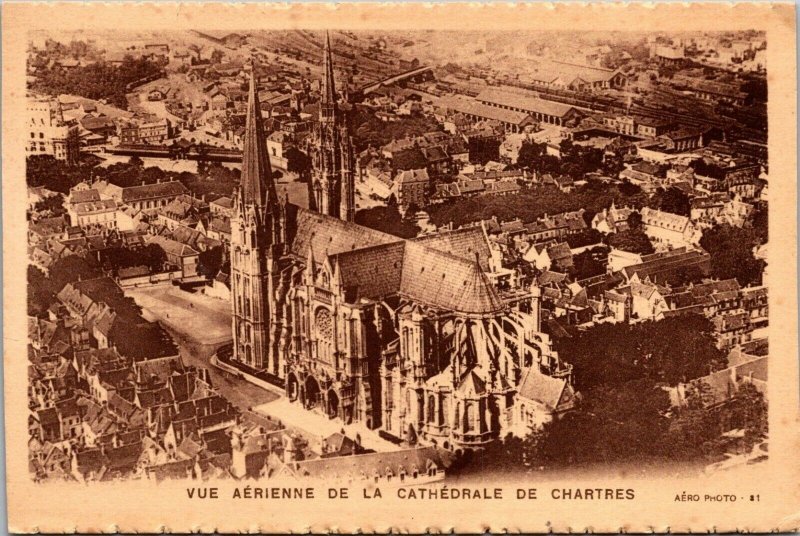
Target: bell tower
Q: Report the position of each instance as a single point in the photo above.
(333, 160)
(257, 240)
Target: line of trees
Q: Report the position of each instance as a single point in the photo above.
(534, 202)
(98, 80)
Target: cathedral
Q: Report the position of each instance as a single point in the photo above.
(427, 340)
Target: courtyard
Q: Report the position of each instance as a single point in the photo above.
(193, 315)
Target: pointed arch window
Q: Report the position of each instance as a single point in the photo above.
(469, 409)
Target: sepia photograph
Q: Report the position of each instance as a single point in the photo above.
(303, 264)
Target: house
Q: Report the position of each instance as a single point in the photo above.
(552, 256)
(411, 187)
(152, 132)
(708, 208)
(219, 287)
(577, 77)
(556, 226)
(93, 214)
(278, 143)
(183, 210)
(221, 206)
(670, 229)
(669, 267)
(216, 228)
(647, 300)
(148, 196)
(612, 220)
(44, 229)
(183, 257)
(652, 127)
(722, 386)
(682, 140)
(618, 305)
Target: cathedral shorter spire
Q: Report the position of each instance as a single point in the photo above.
(257, 186)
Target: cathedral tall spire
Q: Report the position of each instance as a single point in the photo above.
(328, 104)
(258, 187)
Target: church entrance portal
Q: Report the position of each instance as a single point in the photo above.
(333, 404)
(313, 395)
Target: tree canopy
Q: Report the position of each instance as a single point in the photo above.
(631, 240)
(98, 80)
(388, 220)
(368, 130)
(731, 250)
(671, 200)
(532, 203)
(676, 349)
(42, 290)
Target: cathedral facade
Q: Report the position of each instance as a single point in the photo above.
(426, 339)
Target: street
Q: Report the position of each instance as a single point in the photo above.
(199, 325)
(240, 392)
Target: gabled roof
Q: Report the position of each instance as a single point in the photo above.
(325, 235)
(428, 276)
(151, 191)
(172, 247)
(84, 196)
(468, 243)
(547, 390)
(462, 105)
(523, 100)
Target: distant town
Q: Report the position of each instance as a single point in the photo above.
(396, 257)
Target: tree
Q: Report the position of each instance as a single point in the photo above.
(623, 423)
(532, 203)
(482, 150)
(631, 240)
(671, 200)
(368, 130)
(635, 221)
(210, 261)
(298, 162)
(731, 250)
(589, 263)
(627, 188)
(761, 224)
(587, 237)
(42, 290)
(696, 427)
(217, 55)
(55, 175)
(676, 349)
(97, 80)
(40, 294)
(388, 220)
(136, 162)
(52, 205)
